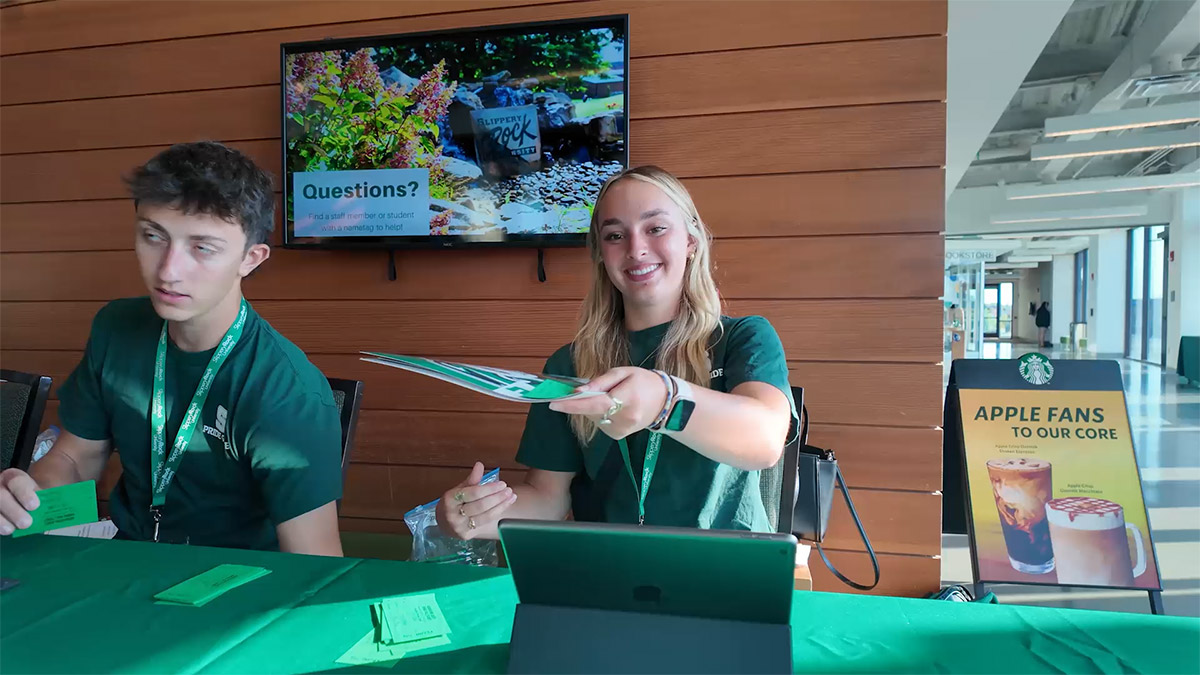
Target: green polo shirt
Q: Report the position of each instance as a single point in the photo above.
(267, 447)
(688, 489)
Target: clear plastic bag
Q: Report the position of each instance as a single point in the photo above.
(431, 545)
(44, 442)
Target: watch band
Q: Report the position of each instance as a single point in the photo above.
(681, 408)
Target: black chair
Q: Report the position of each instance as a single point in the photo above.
(347, 395)
(779, 484)
(22, 403)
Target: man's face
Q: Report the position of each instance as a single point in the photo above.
(190, 263)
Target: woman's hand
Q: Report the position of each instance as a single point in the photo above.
(468, 509)
(635, 397)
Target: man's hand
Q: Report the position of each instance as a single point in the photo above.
(18, 496)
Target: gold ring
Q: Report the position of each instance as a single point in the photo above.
(462, 511)
(471, 523)
(459, 497)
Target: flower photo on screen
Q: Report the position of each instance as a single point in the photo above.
(517, 131)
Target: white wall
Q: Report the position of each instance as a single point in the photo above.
(1062, 302)
(1183, 273)
(1107, 277)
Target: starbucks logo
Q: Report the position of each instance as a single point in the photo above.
(1035, 368)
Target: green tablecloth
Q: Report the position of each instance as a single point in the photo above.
(85, 606)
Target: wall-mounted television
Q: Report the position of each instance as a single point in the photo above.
(475, 137)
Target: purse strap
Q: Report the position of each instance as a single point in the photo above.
(841, 483)
(861, 532)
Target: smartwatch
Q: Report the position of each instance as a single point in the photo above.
(680, 413)
(681, 408)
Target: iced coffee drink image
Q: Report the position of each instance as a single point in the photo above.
(1022, 487)
(1090, 542)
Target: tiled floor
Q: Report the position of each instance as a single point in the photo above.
(1165, 418)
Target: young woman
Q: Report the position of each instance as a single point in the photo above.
(693, 404)
(1042, 321)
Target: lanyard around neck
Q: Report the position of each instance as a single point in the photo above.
(162, 466)
(652, 448)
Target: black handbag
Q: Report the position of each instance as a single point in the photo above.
(817, 473)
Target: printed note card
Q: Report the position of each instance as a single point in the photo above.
(63, 506)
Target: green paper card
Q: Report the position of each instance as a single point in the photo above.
(202, 588)
(412, 617)
(63, 506)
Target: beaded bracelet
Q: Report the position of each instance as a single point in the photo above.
(672, 394)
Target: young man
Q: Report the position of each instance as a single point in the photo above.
(260, 465)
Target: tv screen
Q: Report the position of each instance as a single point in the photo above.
(488, 136)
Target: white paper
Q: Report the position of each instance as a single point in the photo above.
(101, 529)
(802, 551)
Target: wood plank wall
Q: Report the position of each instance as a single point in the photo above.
(811, 132)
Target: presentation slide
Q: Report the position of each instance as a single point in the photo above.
(375, 202)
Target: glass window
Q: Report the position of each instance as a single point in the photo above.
(1081, 289)
(1154, 296)
(991, 305)
(1006, 310)
(1137, 253)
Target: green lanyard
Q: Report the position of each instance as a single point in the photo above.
(163, 467)
(652, 447)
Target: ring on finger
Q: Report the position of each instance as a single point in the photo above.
(613, 409)
(462, 511)
(471, 523)
(459, 497)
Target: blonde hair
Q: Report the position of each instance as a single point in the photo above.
(601, 344)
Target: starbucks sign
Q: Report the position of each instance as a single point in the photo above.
(1035, 369)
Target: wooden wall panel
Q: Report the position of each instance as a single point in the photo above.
(889, 201)
(818, 265)
(810, 133)
(777, 141)
(825, 139)
(817, 330)
(833, 391)
(91, 174)
(903, 575)
(902, 521)
(670, 86)
(79, 23)
(887, 458)
(246, 59)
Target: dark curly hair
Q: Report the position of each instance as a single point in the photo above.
(209, 178)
